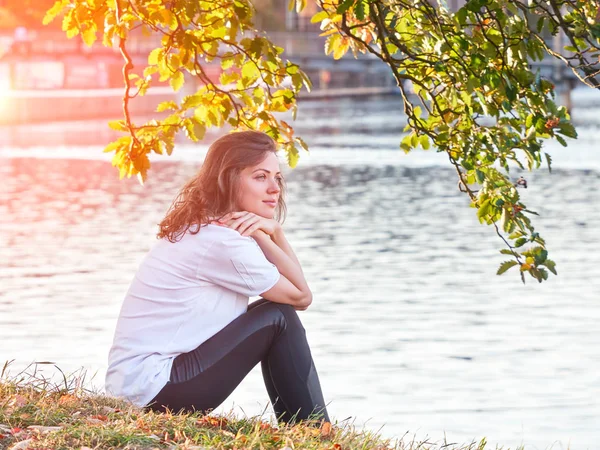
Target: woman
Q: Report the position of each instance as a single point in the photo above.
(186, 337)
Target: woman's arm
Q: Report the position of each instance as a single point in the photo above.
(279, 238)
(292, 287)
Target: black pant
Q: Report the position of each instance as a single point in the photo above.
(268, 332)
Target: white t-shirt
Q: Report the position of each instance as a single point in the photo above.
(183, 294)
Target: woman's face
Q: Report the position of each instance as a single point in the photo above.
(259, 187)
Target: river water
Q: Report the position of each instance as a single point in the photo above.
(411, 330)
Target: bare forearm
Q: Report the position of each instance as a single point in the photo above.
(281, 241)
(281, 254)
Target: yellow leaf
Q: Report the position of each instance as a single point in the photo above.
(169, 19)
(319, 16)
(53, 12)
(154, 56)
(117, 125)
(165, 106)
(199, 131)
(341, 49)
(164, 71)
(175, 62)
(169, 145)
(249, 72)
(192, 101)
(332, 43)
(200, 114)
(112, 147)
(293, 156)
(219, 32)
(225, 78)
(177, 81)
(72, 32)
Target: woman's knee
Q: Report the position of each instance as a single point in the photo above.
(282, 314)
(291, 315)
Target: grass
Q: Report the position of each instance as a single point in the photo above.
(36, 413)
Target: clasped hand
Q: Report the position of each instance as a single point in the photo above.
(247, 223)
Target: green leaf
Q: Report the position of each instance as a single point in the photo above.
(461, 15)
(406, 143)
(360, 9)
(520, 242)
(516, 234)
(567, 129)
(541, 256)
(505, 266)
(529, 121)
(480, 176)
(344, 6)
(551, 265)
(540, 24)
(484, 209)
(549, 159)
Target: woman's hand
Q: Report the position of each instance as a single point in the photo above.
(247, 223)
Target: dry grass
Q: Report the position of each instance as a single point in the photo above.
(38, 414)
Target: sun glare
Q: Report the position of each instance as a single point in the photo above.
(5, 89)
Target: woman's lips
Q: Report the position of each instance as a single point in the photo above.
(271, 203)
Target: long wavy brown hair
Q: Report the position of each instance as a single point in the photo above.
(215, 189)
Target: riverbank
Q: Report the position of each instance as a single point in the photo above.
(39, 106)
(37, 416)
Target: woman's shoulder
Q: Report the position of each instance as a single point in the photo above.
(214, 243)
(216, 233)
(197, 241)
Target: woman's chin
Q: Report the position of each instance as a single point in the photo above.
(267, 214)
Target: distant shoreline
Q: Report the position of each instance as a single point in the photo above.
(39, 106)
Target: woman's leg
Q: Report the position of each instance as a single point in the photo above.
(268, 369)
(270, 332)
(290, 375)
(279, 408)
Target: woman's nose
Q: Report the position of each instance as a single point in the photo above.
(274, 186)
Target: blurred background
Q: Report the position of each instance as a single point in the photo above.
(412, 332)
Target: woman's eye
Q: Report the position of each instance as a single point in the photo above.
(279, 179)
(260, 177)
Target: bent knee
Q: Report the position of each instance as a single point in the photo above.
(290, 314)
(282, 315)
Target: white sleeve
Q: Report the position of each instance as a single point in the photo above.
(238, 264)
